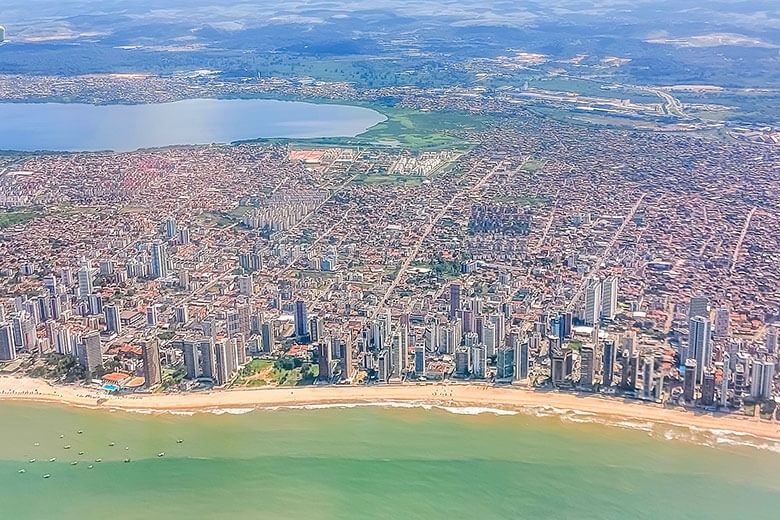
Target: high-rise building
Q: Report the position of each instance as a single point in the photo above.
(113, 320)
(699, 307)
(91, 352)
(150, 351)
(170, 229)
(724, 382)
(181, 313)
(761, 381)
(244, 284)
(301, 321)
(345, 355)
(323, 360)
(771, 339)
(708, 388)
(7, 348)
(462, 361)
(689, 380)
(722, 322)
(84, 281)
(419, 360)
(152, 315)
(561, 361)
(505, 363)
(592, 302)
(522, 361)
(587, 365)
(478, 361)
(454, 300)
(383, 366)
(608, 363)
(159, 265)
(648, 373)
(50, 284)
(699, 344)
(267, 334)
(609, 296)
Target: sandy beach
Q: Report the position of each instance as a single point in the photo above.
(456, 394)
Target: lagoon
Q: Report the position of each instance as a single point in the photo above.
(76, 127)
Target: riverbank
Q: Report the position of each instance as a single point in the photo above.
(461, 395)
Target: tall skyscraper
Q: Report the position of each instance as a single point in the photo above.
(592, 302)
(244, 284)
(587, 365)
(608, 363)
(479, 361)
(159, 260)
(699, 344)
(267, 333)
(7, 348)
(323, 360)
(522, 361)
(301, 320)
(648, 373)
(419, 360)
(761, 381)
(722, 322)
(170, 229)
(505, 363)
(84, 281)
(454, 300)
(771, 339)
(699, 307)
(113, 320)
(91, 353)
(724, 382)
(708, 388)
(150, 351)
(609, 296)
(689, 380)
(151, 315)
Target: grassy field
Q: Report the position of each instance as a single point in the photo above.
(404, 128)
(384, 180)
(16, 217)
(265, 372)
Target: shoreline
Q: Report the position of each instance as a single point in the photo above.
(509, 399)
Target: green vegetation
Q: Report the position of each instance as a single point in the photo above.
(383, 180)
(405, 128)
(284, 371)
(532, 166)
(167, 335)
(61, 367)
(767, 409)
(17, 217)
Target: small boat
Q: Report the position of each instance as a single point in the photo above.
(48, 475)
(37, 444)
(126, 461)
(74, 463)
(52, 459)
(81, 453)
(98, 460)
(79, 432)
(127, 448)
(161, 454)
(111, 444)
(66, 447)
(90, 466)
(62, 436)
(22, 470)
(31, 461)
(179, 441)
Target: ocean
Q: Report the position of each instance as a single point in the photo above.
(76, 127)
(374, 462)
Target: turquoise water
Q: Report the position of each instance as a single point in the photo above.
(366, 462)
(81, 127)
